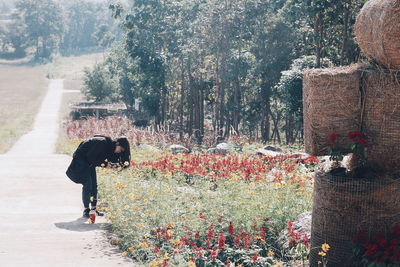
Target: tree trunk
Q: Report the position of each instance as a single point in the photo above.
(190, 100)
(344, 52)
(182, 97)
(318, 34)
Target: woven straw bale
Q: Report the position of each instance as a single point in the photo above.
(378, 31)
(332, 104)
(342, 207)
(381, 118)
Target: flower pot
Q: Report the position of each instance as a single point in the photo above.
(343, 206)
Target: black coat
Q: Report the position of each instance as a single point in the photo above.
(95, 150)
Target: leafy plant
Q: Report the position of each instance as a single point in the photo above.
(334, 149)
(359, 146)
(380, 251)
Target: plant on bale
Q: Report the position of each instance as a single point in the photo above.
(358, 147)
(383, 250)
(334, 149)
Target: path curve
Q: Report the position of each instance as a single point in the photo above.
(40, 209)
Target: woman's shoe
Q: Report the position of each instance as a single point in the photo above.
(86, 213)
(98, 213)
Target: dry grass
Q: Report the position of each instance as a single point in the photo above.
(22, 88)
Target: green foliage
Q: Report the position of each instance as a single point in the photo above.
(45, 25)
(98, 85)
(290, 86)
(88, 24)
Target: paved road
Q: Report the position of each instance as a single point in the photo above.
(40, 209)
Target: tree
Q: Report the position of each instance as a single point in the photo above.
(98, 85)
(88, 24)
(214, 65)
(44, 22)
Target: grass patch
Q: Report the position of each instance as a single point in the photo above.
(20, 98)
(22, 91)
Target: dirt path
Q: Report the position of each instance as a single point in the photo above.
(40, 209)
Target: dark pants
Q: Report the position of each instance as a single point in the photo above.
(89, 188)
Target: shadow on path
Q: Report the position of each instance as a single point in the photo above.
(79, 225)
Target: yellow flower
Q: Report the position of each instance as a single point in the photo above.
(279, 264)
(144, 245)
(103, 165)
(106, 160)
(319, 263)
(321, 253)
(131, 248)
(146, 236)
(91, 199)
(325, 247)
(124, 253)
(175, 241)
(270, 253)
(170, 232)
(192, 264)
(166, 256)
(155, 263)
(135, 208)
(139, 224)
(126, 163)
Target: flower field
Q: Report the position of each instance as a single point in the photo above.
(205, 209)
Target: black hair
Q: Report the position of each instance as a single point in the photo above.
(124, 156)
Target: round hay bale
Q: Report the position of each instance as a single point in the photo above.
(377, 31)
(344, 206)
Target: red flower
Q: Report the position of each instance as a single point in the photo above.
(263, 234)
(354, 135)
(231, 229)
(255, 258)
(197, 235)
(332, 138)
(370, 249)
(221, 240)
(306, 241)
(362, 140)
(396, 230)
(381, 241)
(214, 254)
(211, 232)
(357, 137)
(236, 241)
